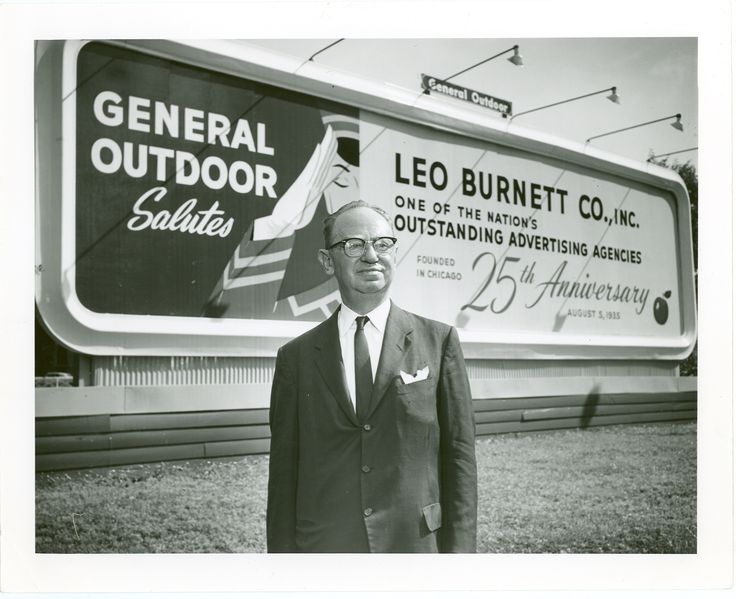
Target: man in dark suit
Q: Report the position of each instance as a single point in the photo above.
(372, 431)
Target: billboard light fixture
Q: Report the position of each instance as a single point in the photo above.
(613, 97)
(328, 46)
(671, 153)
(677, 125)
(516, 59)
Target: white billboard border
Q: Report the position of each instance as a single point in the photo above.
(113, 334)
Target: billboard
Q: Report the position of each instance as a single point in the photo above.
(193, 201)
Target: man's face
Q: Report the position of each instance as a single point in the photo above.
(370, 273)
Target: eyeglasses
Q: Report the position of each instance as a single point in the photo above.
(355, 247)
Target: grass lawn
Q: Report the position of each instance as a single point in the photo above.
(618, 489)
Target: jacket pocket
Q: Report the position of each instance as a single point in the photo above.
(417, 387)
(433, 516)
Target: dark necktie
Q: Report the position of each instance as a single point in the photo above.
(363, 372)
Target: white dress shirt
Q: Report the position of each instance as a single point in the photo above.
(374, 331)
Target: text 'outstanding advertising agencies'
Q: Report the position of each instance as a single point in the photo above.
(508, 242)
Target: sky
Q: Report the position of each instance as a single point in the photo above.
(655, 78)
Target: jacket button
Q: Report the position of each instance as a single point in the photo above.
(366, 469)
(367, 511)
(367, 427)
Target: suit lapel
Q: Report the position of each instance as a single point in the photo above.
(328, 357)
(396, 341)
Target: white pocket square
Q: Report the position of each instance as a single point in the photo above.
(414, 378)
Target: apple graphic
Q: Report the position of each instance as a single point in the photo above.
(661, 310)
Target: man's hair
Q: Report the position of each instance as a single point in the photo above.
(329, 222)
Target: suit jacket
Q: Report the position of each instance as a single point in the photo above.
(402, 480)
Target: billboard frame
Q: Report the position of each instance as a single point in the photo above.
(113, 334)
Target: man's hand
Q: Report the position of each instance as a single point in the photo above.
(296, 207)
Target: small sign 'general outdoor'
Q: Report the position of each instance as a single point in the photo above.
(430, 83)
